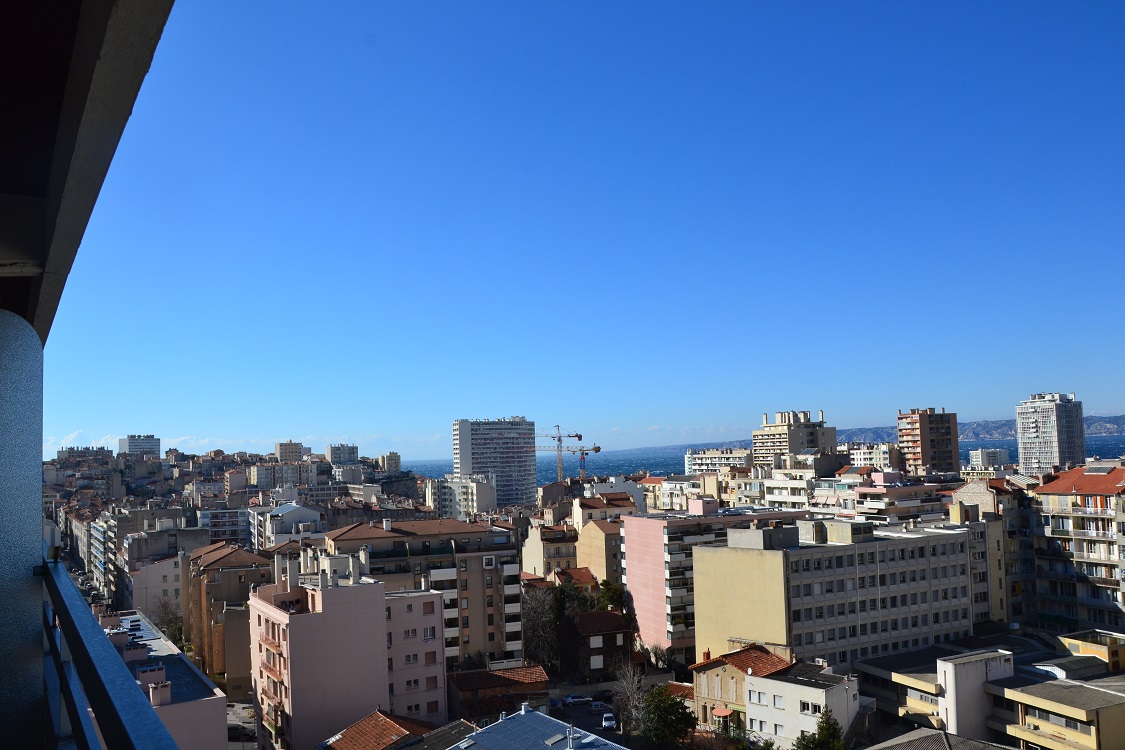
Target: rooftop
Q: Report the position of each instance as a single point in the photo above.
(1086, 481)
(526, 730)
(483, 679)
(378, 731)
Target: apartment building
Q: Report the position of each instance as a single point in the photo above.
(1077, 549)
(342, 454)
(987, 457)
(502, 448)
(927, 440)
(979, 694)
(1050, 433)
(415, 655)
(288, 452)
(880, 456)
(550, 548)
(767, 697)
(791, 432)
(715, 459)
(456, 496)
(599, 549)
(835, 591)
(145, 445)
(270, 527)
(658, 571)
(475, 566)
(391, 463)
(148, 567)
(602, 507)
(318, 655)
(217, 580)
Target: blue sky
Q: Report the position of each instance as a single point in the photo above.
(648, 222)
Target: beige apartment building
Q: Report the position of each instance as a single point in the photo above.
(599, 549)
(927, 440)
(791, 433)
(601, 507)
(835, 591)
(475, 566)
(550, 548)
(217, 581)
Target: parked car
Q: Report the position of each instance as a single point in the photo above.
(239, 733)
(598, 706)
(605, 696)
(608, 722)
(575, 698)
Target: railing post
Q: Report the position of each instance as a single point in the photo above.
(21, 506)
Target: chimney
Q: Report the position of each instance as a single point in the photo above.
(160, 693)
(387, 524)
(821, 417)
(765, 419)
(524, 707)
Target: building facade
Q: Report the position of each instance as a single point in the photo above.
(790, 433)
(148, 445)
(699, 461)
(502, 448)
(1050, 433)
(927, 440)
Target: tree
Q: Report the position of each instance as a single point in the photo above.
(667, 719)
(540, 627)
(169, 617)
(628, 695)
(828, 735)
(611, 595)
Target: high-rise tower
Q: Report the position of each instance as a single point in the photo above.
(502, 448)
(927, 440)
(1050, 433)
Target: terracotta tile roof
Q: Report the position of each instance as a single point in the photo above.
(609, 527)
(482, 679)
(581, 576)
(1079, 482)
(232, 557)
(400, 529)
(379, 731)
(600, 623)
(207, 549)
(525, 576)
(750, 660)
(653, 480)
(681, 690)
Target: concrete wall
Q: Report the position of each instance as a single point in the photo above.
(739, 593)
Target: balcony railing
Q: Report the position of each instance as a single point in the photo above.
(83, 674)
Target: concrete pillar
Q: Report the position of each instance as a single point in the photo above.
(21, 530)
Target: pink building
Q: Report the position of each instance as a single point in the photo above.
(659, 571)
(329, 647)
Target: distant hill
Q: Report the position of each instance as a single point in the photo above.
(998, 429)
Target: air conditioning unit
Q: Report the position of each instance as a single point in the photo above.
(820, 662)
(1029, 725)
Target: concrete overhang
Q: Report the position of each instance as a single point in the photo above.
(71, 72)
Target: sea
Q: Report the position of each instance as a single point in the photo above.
(669, 459)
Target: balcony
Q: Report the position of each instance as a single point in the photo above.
(83, 675)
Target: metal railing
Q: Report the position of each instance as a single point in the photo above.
(83, 673)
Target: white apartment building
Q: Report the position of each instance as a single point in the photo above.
(504, 448)
(882, 456)
(391, 463)
(790, 433)
(1050, 433)
(146, 445)
(987, 457)
(715, 459)
(342, 454)
(272, 526)
(457, 496)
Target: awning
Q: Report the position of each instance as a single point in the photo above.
(721, 712)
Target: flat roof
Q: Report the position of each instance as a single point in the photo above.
(1085, 695)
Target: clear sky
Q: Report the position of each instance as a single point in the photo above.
(647, 222)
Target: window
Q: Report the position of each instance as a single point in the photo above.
(410, 633)
(388, 613)
(431, 657)
(431, 682)
(409, 607)
(488, 582)
(429, 633)
(778, 702)
(427, 608)
(432, 707)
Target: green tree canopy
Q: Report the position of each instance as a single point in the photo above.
(828, 736)
(667, 719)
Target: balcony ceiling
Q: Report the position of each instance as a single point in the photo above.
(70, 71)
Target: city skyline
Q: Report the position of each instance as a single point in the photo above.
(499, 187)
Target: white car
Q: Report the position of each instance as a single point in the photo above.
(608, 722)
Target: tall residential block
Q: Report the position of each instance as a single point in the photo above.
(987, 457)
(700, 461)
(288, 452)
(927, 440)
(148, 445)
(790, 433)
(342, 454)
(502, 448)
(1050, 433)
(458, 497)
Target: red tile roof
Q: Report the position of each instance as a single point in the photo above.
(653, 480)
(1078, 482)
(483, 679)
(755, 660)
(609, 527)
(379, 731)
(580, 576)
(681, 690)
(231, 557)
(400, 529)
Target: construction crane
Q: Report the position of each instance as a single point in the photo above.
(558, 437)
(582, 452)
